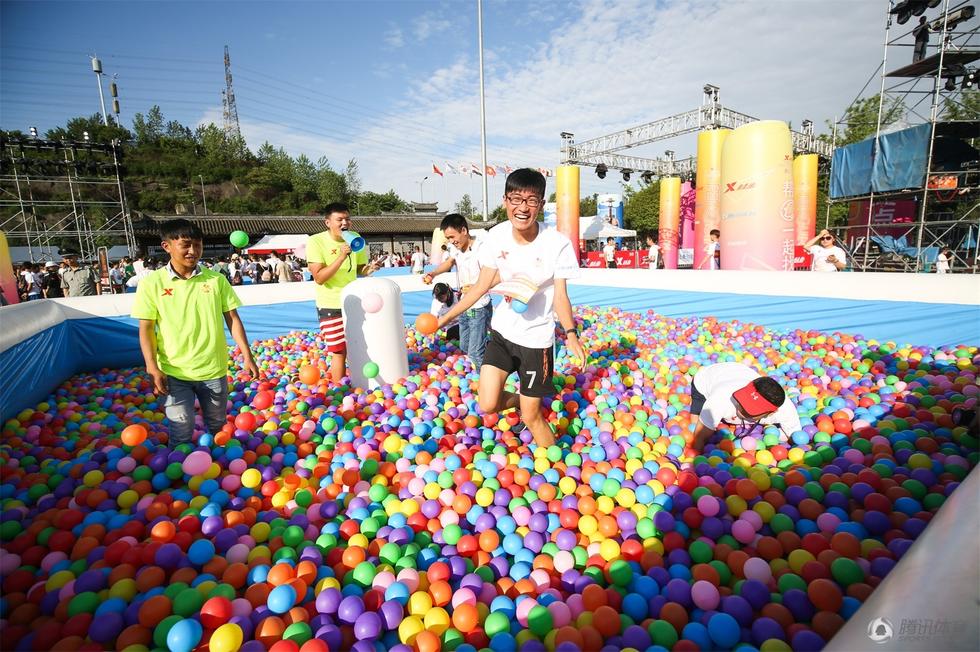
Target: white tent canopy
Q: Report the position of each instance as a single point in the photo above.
(279, 243)
(594, 228)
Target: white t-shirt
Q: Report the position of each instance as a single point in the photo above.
(548, 257)
(468, 267)
(942, 264)
(438, 308)
(654, 255)
(719, 381)
(418, 261)
(609, 251)
(820, 255)
(710, 250)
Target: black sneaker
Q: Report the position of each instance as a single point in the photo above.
(518, 428)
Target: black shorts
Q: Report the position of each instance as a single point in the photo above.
(697, 400)
(533, 366)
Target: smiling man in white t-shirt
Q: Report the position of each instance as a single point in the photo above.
(523, 340)
(463, 251)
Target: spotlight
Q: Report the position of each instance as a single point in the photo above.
(908, 8)
(647, 177)
(33, 132)
(953, 19)
(969, 80)
(626, 174)
(85, 136)
(950, 84)
(600, 170)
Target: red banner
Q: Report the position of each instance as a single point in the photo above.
(625, 259)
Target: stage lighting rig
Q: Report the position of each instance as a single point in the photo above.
(908, 8)
(626, 174)
(601, 170)
(953, 19)
(647, 177)
(969, 80)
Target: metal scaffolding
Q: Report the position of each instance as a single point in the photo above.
(948, 205)
(605, 150)
(57, 191)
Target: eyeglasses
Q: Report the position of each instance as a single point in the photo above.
(517, 200)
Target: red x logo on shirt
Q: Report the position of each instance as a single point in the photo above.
(167, 292)
(503, 254)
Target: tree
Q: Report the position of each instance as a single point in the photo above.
(641, 211)
(330, 186)
(465, 207)
(352, 178)
(589, 205)
(861, 119)
(372, 203)
(304, 177)
(76, 128)
(499, 214)
(148, 129)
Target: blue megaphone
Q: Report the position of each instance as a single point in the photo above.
(353, 240)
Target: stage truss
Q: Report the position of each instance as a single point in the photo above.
(84, 198)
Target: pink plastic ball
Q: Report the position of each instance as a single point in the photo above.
(757, 569)
(372, 302)
(705, 594)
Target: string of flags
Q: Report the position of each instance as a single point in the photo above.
(471, 169)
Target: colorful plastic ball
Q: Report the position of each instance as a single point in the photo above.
(370, 369)
(197, 463)
(309, 375)
(372, 302)
(518, 306)
(133, 435)
(184, 635)
(426, 323)
(238, 239)
(281, 599)
(227, 638)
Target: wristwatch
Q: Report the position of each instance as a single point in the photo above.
(569, 331)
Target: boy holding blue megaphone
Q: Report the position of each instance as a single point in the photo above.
(335, 257)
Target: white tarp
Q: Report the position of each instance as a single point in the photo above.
(278, 243)
(593, 228)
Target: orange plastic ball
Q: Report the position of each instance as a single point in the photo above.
(133, 435)
(309, 375)
(426, 323)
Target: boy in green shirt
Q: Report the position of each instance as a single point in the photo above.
(333, 266)
(180, 308)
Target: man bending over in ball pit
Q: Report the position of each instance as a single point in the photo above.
(180, 308)
(523, 341)
(733, 395)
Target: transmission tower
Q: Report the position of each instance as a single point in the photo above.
(228, 101)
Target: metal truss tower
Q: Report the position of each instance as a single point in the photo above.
(605, 150)
(232, 129)
(53, 191)
(931, 90)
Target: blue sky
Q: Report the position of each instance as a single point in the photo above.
(395, 85)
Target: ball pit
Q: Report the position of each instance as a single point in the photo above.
(400, 518)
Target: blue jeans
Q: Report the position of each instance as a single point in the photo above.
(474, 325)
(179, 406)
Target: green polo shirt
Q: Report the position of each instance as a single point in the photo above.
(189, 321)
(323, 249)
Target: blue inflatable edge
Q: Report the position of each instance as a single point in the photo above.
(33, 369)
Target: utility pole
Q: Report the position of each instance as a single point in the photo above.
(203, 196)
(483, 110)
(97, 69)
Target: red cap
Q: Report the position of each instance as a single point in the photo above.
(753, 404)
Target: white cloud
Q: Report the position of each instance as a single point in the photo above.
(429, 24)
(394, 38)
(614, 65)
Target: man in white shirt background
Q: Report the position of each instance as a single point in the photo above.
(418, 261)
(463, 252)
(609, 253)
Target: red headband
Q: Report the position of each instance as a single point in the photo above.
(752, 402)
